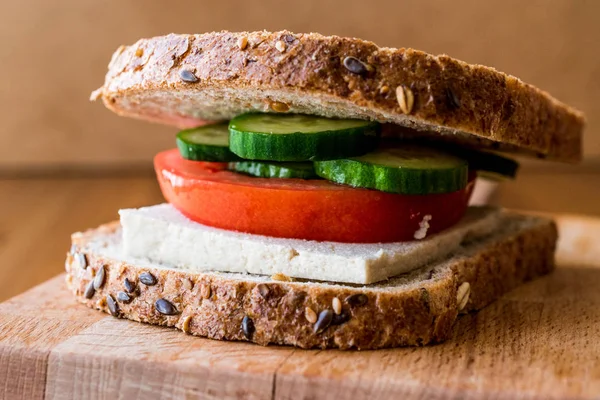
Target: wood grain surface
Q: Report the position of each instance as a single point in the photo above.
(537, 342)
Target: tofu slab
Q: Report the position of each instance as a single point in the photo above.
(163, 235)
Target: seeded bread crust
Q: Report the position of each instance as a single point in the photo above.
(181, 79)
(413, 309)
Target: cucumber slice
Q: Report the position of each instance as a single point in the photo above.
(409, 169)
(295, 137)
(206, 143)
(272, 169)
(491, 165)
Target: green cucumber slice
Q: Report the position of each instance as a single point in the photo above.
(206, 143)
(409, 169)
(273, 169)
(296, 137)
(490, 165)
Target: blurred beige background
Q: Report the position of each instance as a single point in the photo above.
(55, 53)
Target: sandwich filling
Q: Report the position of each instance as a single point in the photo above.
(345, 203)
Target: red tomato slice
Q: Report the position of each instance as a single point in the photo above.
(302, 209)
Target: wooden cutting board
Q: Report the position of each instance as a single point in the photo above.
(540, 341)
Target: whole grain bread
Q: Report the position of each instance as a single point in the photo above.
(183, 79)
(416, 308)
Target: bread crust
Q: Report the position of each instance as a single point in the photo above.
(471, 104)
(218, 306)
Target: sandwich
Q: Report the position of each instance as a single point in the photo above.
(317, 193)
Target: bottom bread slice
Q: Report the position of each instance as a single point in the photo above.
(415, 308)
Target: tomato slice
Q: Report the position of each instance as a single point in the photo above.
(301, 209)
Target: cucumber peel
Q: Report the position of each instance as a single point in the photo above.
(296, 137)
(408, 169)
(206, 143)
(272, 169)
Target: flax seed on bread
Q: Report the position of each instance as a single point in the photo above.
(310, 73)
(416, 308)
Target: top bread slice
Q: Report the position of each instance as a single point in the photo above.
(183, 79)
